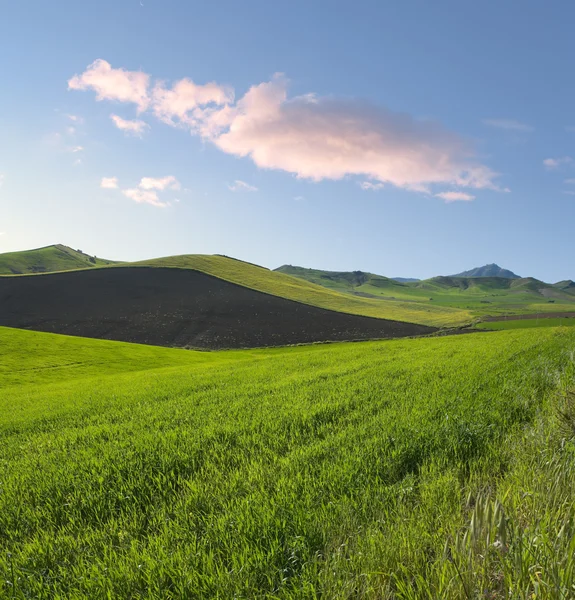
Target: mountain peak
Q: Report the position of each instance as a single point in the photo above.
(491, 270)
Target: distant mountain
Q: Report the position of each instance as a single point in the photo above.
(48, 259)
(405, 279)
(492, 270)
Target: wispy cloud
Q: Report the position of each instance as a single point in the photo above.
(75, 149)
(146, 192)
(76, 119)
(109, 183)
(455, 196)
(555, 163)
(145, 197)
(368, 185)
(570, 181)
(310, 136)
(162, 183)
(509, 125)
(135, 127)
(242, 186)
(569, 192)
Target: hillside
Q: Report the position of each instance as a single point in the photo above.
(179, 308)
(491, 270)
(48, 259)
(300, 290)
(477, 295)
(322, 471)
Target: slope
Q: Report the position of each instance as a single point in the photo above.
(48, 259)
(177, 307)
(294, 288)
(340, 471)
(478, 295)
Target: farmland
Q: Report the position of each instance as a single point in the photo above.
(419, 468)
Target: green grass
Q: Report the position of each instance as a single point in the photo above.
(527, 323)
(293, 288)
(364, 470)
(478, 296)
(48, 259)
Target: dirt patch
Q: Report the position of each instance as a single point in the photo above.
(176, 307)
(545, 315)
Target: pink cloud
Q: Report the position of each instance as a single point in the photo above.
(455, 196)
(181, 103)
(113, 84)
(326, 138)
(134, 127)
(309, 136)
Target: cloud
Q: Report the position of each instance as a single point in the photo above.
(509, 125)
(310, 136)
(75, 119)
(163, 183)
(555, 163)
(77, 162)
(299, 198)
(455, 196)
(570, 181)
(242, 186)
(181, 103)
(368, 185)
(75, 149)
(135, 127)
(147, 190)
(109, 183)
(145, 197)
(113, 84)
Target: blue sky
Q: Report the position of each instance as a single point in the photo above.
(403, 138)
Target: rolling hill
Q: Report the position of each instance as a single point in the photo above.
(48, 259)
(177, 307)
(477, 295)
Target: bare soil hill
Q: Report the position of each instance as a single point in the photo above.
(176, 307)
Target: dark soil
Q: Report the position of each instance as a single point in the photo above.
(176, 307)
(542, 315)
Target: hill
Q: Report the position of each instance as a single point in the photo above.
(307, 292)
(491, 270)
(477, 295)
(48, 259)
(177, 307)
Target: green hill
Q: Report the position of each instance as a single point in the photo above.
(477, 295)
(48, 259)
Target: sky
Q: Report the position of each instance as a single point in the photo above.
(405, 138)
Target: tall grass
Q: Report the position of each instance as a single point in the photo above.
(401, 469)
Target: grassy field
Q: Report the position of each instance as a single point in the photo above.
(48, 259)
(527, 323)
(477, 296)
(423, 468)
(293, 288)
